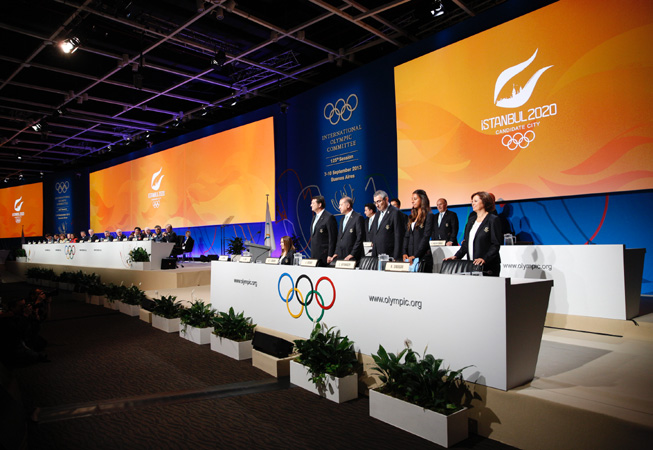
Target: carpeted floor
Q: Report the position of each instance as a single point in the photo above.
(116, 382)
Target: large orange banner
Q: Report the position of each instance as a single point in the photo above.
(557, 102)
(21, 210)
(221, 177)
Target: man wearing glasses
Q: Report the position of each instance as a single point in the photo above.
(388, 232)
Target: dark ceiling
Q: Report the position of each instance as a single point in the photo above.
(147, 70)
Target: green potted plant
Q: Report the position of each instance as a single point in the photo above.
(67, 281)
(166, 313)
(114, 293)
(327, 365)
(131, 301)
(232, 334)
(139, 259)
(196, 321)
(95, 291)
(21, 255)
(420, 396)
(235, 247)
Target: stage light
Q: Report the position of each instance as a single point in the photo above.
(18, 156)
(70, 45)
(437, 8)
(219, 59)
(37, 127)
(20, 176)
(41, 173)
(219, 13)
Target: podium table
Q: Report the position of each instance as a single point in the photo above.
(110, 255)
(492, 324)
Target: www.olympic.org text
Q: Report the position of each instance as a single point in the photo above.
(246, 282)
(396, 301)
(528, 266)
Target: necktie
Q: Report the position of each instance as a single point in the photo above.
(440, 218)
(378, 225)
(344, 223)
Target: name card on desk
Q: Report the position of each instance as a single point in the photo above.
(346, 264)
(437, 243)
(245, 259)
(309, 263)
(274, 261)
(223, 258)
(397, 267)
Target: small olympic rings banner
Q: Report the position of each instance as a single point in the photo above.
(291, 287)
(69, 251)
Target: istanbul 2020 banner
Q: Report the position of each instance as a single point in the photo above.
(21, 210)
(216, 179)
(557, 102)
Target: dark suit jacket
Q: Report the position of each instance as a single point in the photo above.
(389, 237)
(486, 243)
(108, 238)
(416, 241)
(93, 238)
(448, 229)
(289, 259)
(120, 238)
(187, 244)
(350, 241)
(369, 233)
(170, 237)
(323, 239)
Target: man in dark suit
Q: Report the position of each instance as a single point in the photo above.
(388, 233)
(158, 235)
(370, 210)
(120, 236)
(351, 231)
(107, 236)
(92, 237)
(169, 235)
(446, 224)
(82, 236)
(324, 231)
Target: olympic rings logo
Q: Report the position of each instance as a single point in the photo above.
(305, 302)
(61, 187)
(518, 140)
(156, 203)
(341, 110)
(69, 251)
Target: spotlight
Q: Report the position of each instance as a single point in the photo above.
(37, 127)
(20, 176)
(437, 8)
(235, 102)
(18, 156)
(41, 173)
(70, 45)
(6, 180)
(219, 13)
(219, 59)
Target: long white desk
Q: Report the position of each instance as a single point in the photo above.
(589, 280)
(494, 324)
(110, 255)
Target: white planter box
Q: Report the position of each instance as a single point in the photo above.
(232, 349)
(141, 265)
(338, 390)
(109, 304)
(438, 428)
(66, 286)
(95, 299)
(21, 259)
(130, 310)
(167, 325)
(200, 336)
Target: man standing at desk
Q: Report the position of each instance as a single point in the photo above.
(388, 232)
(324, 231)
(446, 224)
(351, 232)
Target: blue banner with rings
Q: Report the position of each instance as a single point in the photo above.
(63, 204)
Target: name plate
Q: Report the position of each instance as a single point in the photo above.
(437, 243)
(397, 267)
(274, 261)
(309, 263)
(245, 259)
(346, 264)
(223, 258)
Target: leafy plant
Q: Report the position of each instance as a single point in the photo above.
(236, 246)
(167, 307)
(235, 327)
(114, 292)
(423, 382)
(198, 315)
(326, 352)
(20, 253)
(139, 254)
(97, 288)
(133, 296)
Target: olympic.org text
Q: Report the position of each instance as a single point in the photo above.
(396, 301)
(528, 266)
(246, 282)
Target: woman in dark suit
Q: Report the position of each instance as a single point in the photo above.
(418, 232)
(485, 234)
(287, 251)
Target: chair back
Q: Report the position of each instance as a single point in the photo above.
(368, 263)
(453, 266)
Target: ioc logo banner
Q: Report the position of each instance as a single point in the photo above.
(291, 287)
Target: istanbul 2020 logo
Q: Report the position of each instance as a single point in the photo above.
(313, 292)
(155, 184)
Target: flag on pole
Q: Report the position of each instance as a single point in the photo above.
(22, 235)
(269, 232)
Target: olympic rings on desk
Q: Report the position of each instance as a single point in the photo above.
(306, 301)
